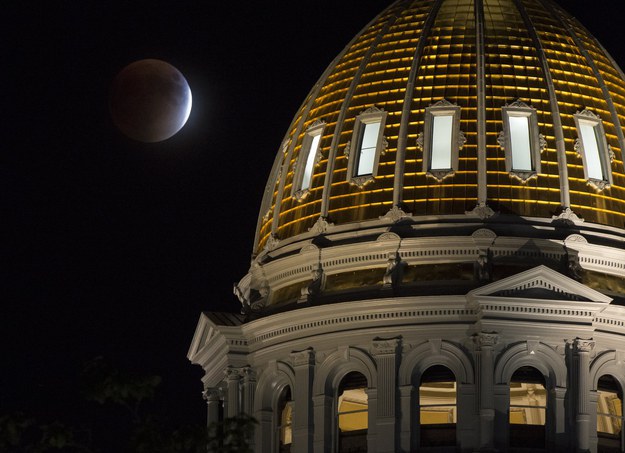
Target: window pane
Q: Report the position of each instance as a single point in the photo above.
(591, 150)
(368, 145)
(353, 408)
(520, 142)
(441, 142)
(437, 403)
(310, 162)
(528, 403)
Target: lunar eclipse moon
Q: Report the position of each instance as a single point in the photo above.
(150, 100)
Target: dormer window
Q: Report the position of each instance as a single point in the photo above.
(367, 145)
(308, 159)
(442, 139)
(592, 146)
(521, 141)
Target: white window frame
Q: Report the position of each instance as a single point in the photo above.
(353, 148)
(606, 155)
(425, 140)
(537, 141)
(314, 130)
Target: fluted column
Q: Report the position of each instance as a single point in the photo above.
(485, 343)
(581, 349)
(212, 397)
(249, 390)
(233, 380)
(304, 366)
(385, 354)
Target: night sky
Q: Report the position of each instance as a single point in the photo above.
(113, 247)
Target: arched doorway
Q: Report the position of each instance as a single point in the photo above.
(352, 414)
(528, 408)
(609, 415)
(284, 417)
(437, 407)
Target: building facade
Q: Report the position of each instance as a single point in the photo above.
(439, 262)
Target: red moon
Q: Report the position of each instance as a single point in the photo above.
(150, 100)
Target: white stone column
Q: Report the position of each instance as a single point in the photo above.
(233, 380)
(372, 410)
(407, 411)
(212, 397)
(249, 390)
(581, 349)
(485, 342)
(302, 423)
(385, 354)
(325, 425)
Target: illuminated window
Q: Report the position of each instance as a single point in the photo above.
(352, 416)
(441, 140)
(285, 418)
(437, 407)
(521, 140)
(609, 414)
(593, 148)
(308, 158)
(528, 408)
(367, 144)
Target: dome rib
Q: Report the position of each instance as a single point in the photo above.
(327, 185)
(305, 108)
(600, 80)
(481, 106)
(565, 199)
(400, 161)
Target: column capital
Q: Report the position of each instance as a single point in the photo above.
(233, 374)
(249, 375)
(211, 394)
(302, 358)
(381, 346)
(486, 339)
(581, 345)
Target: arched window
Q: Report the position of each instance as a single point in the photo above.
(352, 416)
(284, 418)
(528, 408)
(609, 415)
(437, 407)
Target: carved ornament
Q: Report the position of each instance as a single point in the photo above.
(321, 225)
(486, 339)
(379, 346)
(305, 357)
(482, 211)
(582, 345)
(395, 214)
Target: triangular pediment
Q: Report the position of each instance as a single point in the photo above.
(541, 283)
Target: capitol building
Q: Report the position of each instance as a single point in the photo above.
(439, 258)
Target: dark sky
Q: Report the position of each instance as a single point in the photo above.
(113, 247)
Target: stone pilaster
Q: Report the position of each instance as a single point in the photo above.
(233, 381)
(581, 351)
(385, 354)
(304, 366)
(485, 342)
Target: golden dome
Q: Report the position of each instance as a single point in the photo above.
(424, 56)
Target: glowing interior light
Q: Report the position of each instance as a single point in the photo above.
(441, 142)
(368, 144)
(520, 143)
(310, 161)
(590, 143)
